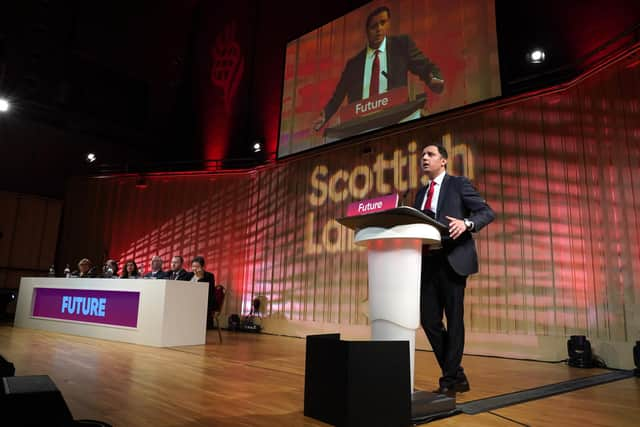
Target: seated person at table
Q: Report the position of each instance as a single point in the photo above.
(200, 275)
(110, 268)
(85, 269)
(177, 272)
(130, 270)
(156, 269)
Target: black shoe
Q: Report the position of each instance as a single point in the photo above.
(447, 391)
(462, 386)
(452, 389)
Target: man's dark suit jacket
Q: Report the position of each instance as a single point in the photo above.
(181, 274)
(402, 56)
(159, 275)
(459, 199)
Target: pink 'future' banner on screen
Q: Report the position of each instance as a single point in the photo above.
(118, 308)
(374, 104)
(373, 205)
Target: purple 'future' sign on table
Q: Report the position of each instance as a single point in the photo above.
(118, 308)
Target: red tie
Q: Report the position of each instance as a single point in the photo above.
(374, 86)
(427, 205)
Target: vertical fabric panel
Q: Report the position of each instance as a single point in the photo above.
(49, 239)
(29, 227)
(8, 215)
(27, 237)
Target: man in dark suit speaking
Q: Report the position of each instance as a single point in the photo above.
(381, 66)
(451, 200)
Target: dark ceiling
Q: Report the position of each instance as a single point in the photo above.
(117, 76)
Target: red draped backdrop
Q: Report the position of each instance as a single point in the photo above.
(560, 170)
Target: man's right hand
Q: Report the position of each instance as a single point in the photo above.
(319, 122)
(436, 84)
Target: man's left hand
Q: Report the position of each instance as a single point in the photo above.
(456, 227)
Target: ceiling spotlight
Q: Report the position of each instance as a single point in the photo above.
(91, 157)
(4, 105)
(536, 56)
(257, 147)
(141, 182)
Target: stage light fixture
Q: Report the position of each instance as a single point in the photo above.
(536, 56)
(4, 105)
(91, 157)
(580, 354)
(141, 182)
(636, 358)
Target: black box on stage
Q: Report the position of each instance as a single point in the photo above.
(6, 368)
(32, 401)
(357, 383)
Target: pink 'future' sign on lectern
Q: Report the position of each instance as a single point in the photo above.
(373, 205)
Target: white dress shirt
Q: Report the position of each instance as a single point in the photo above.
(436, 193)
(368, 65)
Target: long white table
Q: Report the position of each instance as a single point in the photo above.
(160, 313)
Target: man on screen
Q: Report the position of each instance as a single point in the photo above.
(454, 201)
(381, 66)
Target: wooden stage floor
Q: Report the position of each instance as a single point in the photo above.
(258, 380)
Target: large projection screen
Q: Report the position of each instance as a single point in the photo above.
(432, 56)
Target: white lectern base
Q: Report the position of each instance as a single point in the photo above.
(394, 240)
(394, 263)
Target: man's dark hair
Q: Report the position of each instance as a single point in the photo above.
(199, 260)
(181, 259)
(441, 149)
(113, 264)
(377, 11)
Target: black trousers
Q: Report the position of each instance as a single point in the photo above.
(442, 293)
